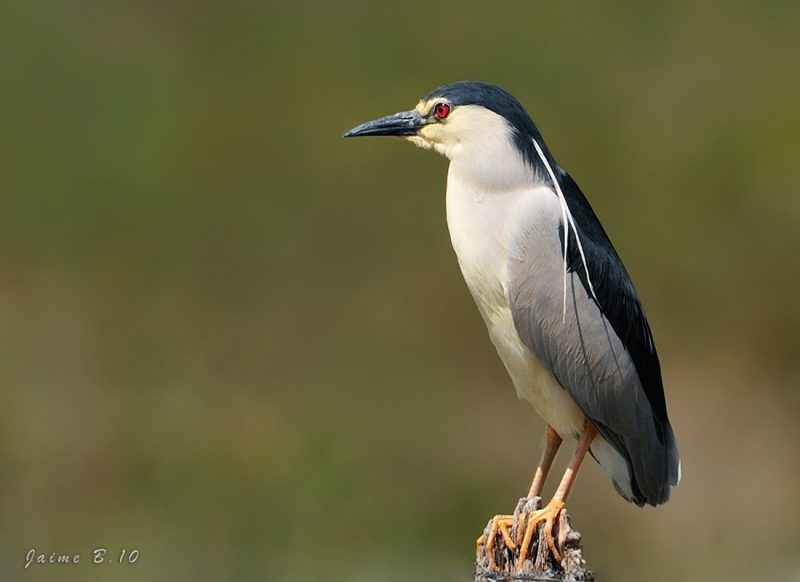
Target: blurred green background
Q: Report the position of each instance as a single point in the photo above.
(241, 345)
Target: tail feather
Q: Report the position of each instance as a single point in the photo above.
(642, 469)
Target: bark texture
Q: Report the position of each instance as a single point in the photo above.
(539, 564)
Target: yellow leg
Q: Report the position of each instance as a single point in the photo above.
(502, 523)
(548, 454)
(549, 513)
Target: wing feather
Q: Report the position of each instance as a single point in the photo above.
(602, 351)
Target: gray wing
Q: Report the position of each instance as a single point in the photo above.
(601, 350)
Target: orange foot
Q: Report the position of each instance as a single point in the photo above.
(500, 523)
(548, 514)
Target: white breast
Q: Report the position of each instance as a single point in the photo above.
(483, 227)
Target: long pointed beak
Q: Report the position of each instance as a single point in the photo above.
(403, 123)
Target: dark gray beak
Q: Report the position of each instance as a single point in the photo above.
(403, 123)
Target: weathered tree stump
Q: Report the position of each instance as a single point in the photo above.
(539, 564)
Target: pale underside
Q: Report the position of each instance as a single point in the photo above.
(487, 232)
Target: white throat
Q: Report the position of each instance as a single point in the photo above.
(488, 183)
(480, 146)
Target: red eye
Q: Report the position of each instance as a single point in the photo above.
(442, 110)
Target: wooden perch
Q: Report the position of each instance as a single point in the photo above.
(539, 564)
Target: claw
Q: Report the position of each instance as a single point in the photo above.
(500, 523)
(549, 514)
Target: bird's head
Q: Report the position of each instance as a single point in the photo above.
(468, 121)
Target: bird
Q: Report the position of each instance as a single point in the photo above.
(558, 303)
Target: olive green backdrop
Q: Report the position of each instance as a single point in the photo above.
(241, 345)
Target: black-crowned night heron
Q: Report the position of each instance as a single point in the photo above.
(559, 305)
